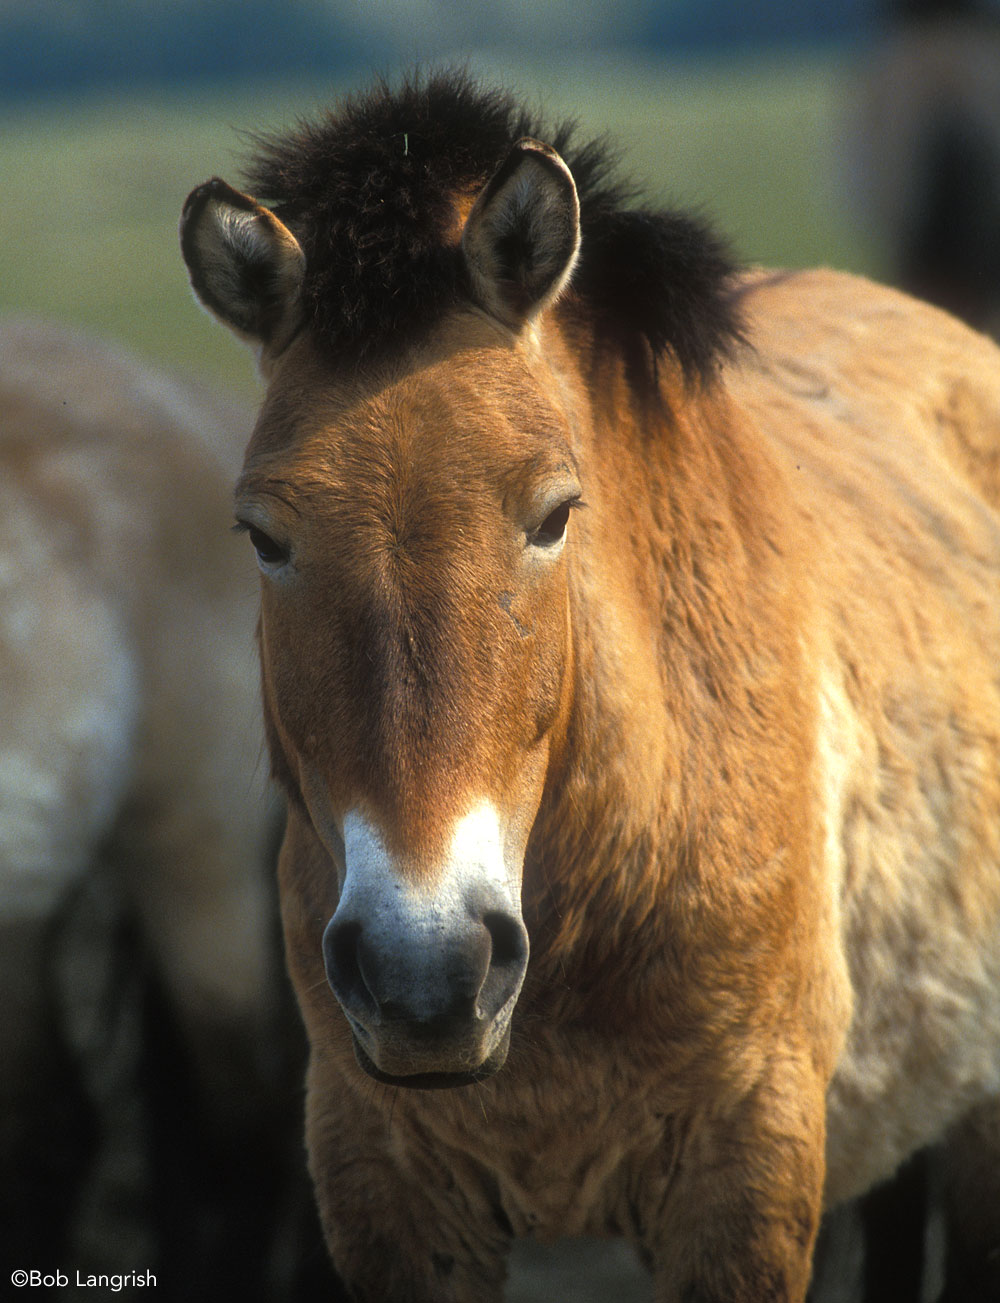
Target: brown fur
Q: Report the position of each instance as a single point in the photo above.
(745, 732)
(691, 958)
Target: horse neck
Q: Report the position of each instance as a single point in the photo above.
(656, 670)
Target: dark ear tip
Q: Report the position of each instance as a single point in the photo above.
(529, 145)
(201, 196)
(521, 150)
(546, 156)
(196, 200)
(215, 188)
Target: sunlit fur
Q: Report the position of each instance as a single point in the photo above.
(742, 731)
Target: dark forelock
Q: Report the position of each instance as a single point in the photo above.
(370, 188)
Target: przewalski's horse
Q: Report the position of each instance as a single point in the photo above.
(648, 616)
(131, 733)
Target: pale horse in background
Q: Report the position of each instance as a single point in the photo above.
(129, 757)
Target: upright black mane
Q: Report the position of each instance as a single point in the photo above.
(370, 192)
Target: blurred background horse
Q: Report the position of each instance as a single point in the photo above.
(142, 1053)
(928, 153)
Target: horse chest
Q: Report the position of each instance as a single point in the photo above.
(566, 1160)
(566, 1187)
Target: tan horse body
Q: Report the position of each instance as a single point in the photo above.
(685, 675)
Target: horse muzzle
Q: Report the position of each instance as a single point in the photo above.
(427, 975)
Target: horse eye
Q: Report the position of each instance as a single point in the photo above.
(553, 527)
(269, 552)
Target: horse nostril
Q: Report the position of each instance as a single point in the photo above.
(508, 939)
(508, 961)
(343, 965)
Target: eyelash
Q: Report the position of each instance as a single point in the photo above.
(547, 534)
(268, 551)
(553, 527)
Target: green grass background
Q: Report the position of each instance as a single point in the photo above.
(91, 191)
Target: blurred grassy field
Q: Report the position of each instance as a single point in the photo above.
(92, 190)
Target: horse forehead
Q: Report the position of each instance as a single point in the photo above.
(448, 393)
(461, 406)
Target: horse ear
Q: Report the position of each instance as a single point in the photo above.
(245, 266)
(522, 236)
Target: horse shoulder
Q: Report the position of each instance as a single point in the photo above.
(882, 415)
